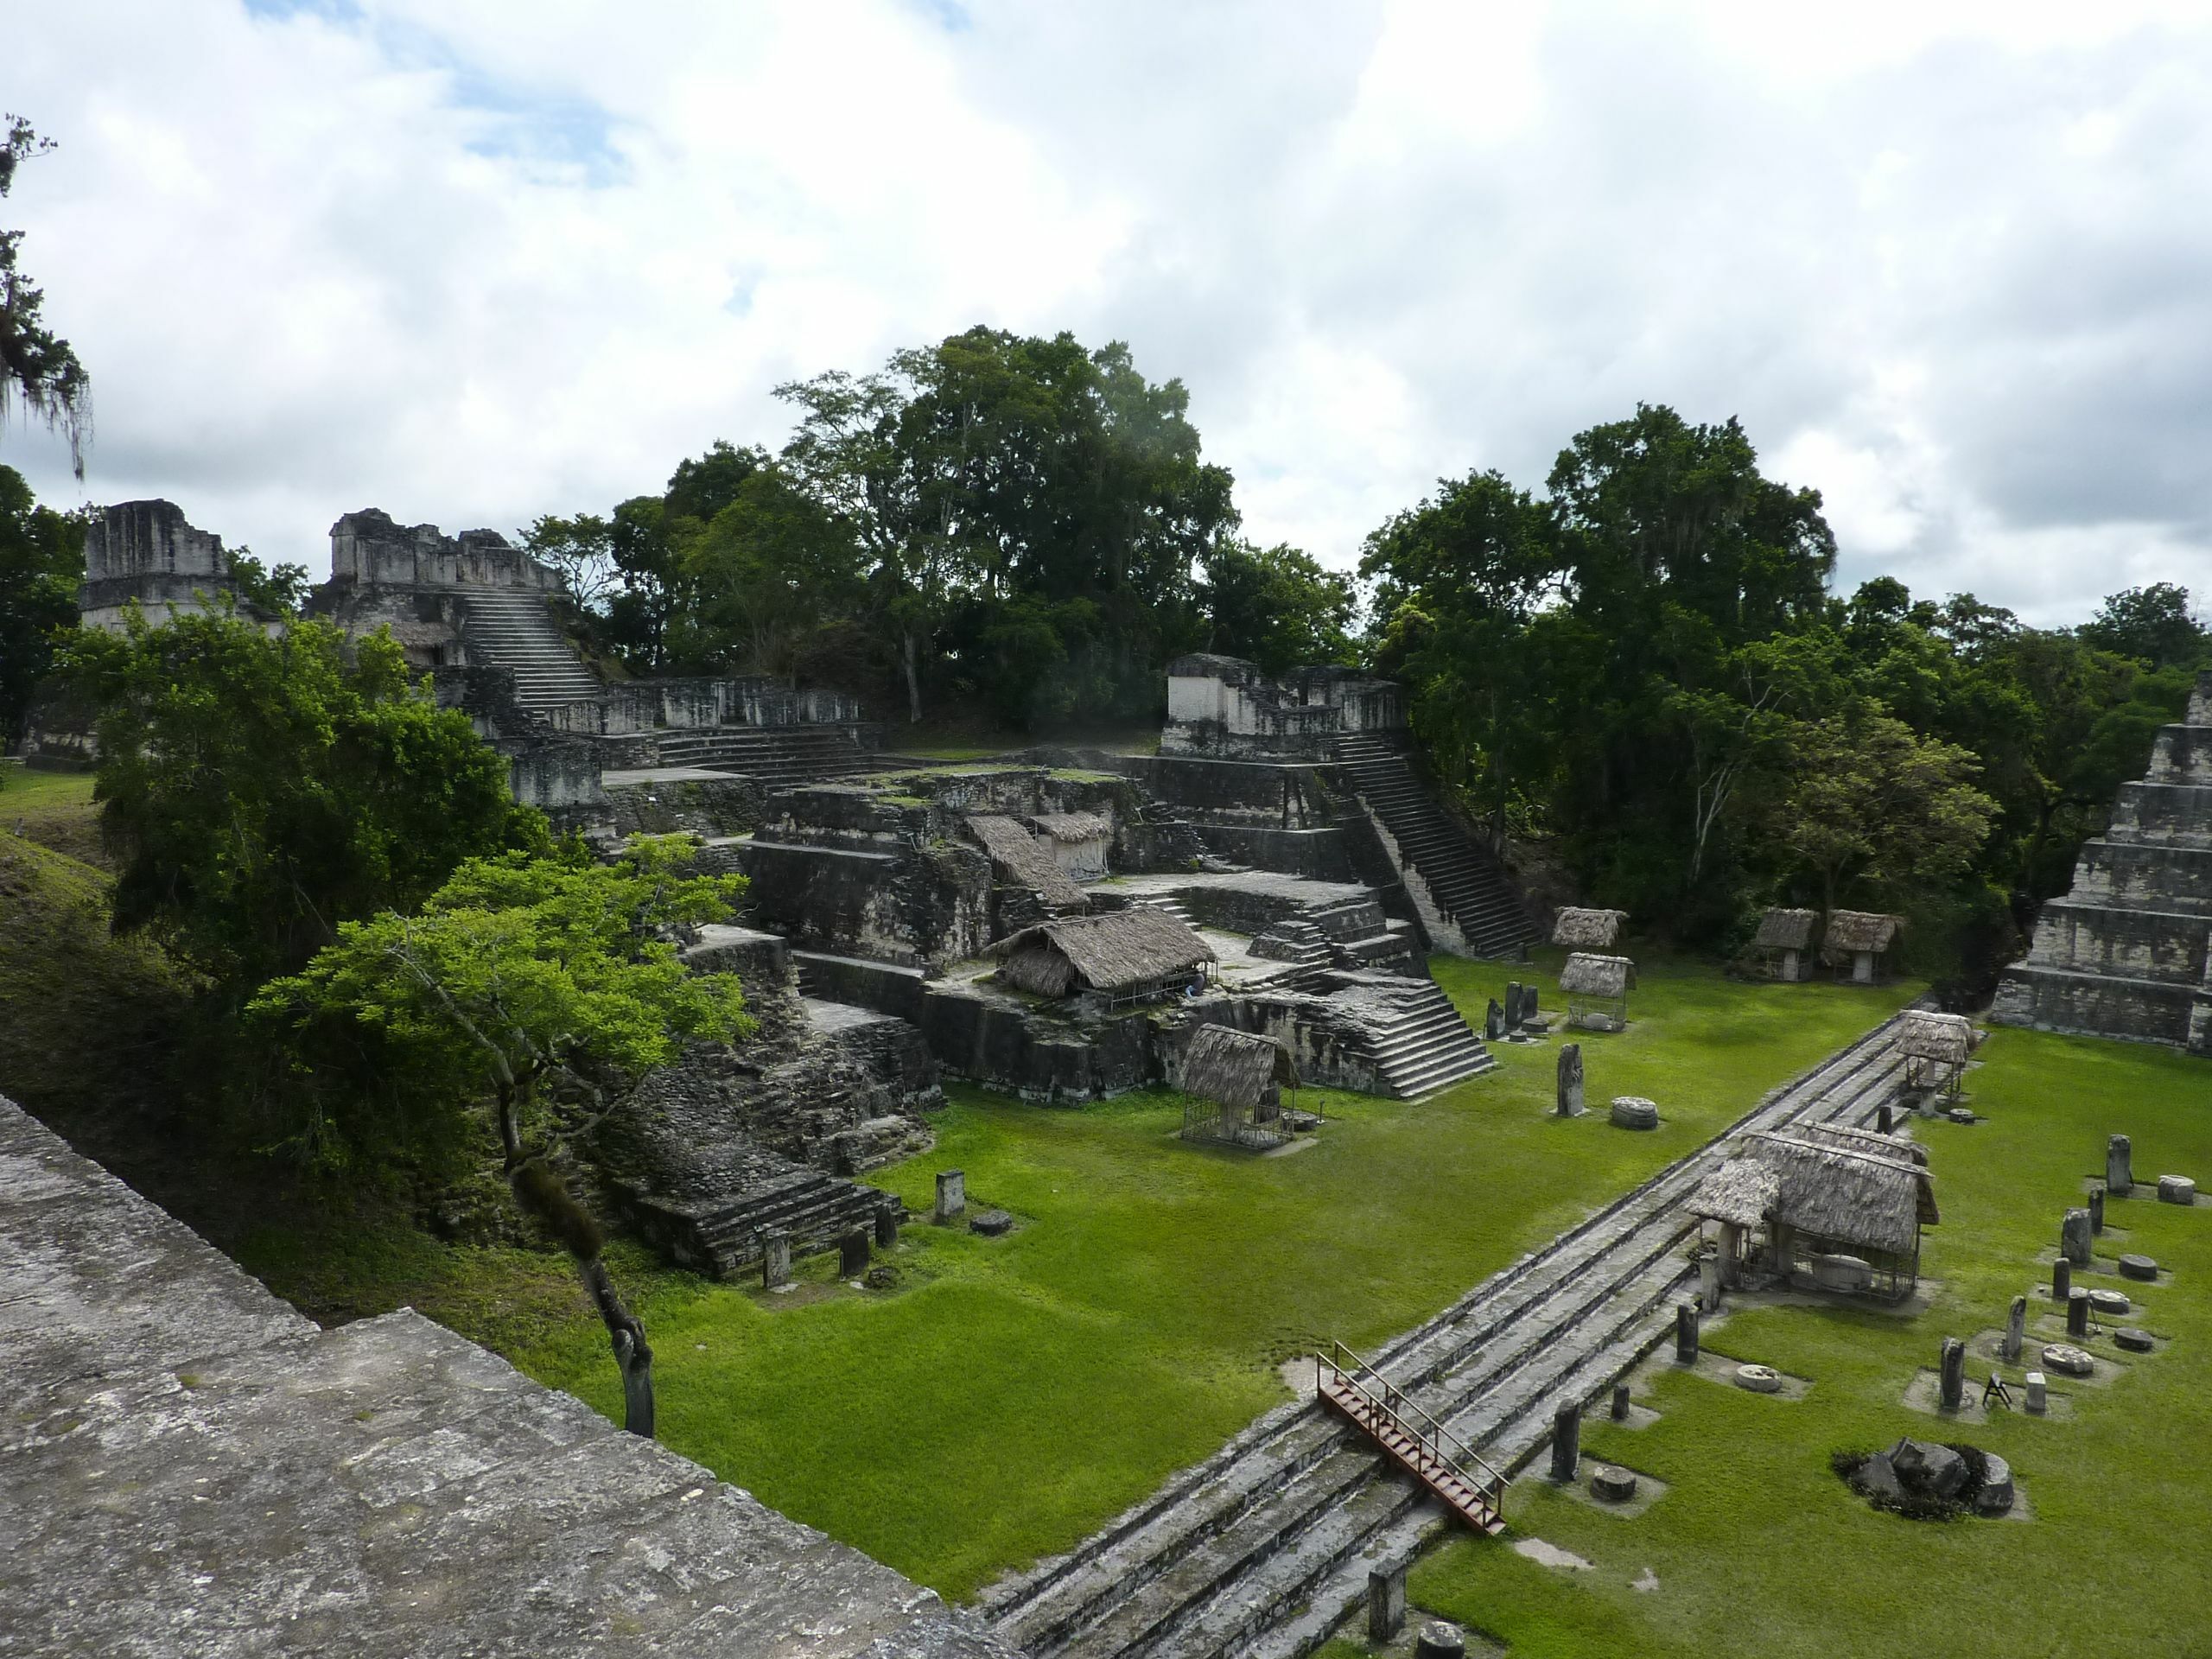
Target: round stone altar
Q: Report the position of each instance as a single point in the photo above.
(2107, 1304)
(2134, 1340)
(1634, 1112)
(2143, 1267)
(1612, 1484)
(2065, 1356)
(2177, 1189)
(1758, 1379)
(1845, 1273)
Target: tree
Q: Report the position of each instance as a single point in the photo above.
(582, 550)
(2153, 624)
(774, 566)
(37, 366)
(260, 791)
(276, 591)
(551, 984)
(41, 561)
(1276, 606)
(1869, 802)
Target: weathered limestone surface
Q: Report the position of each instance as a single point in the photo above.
(2128, 952)
(194, 1469)
(144, 553)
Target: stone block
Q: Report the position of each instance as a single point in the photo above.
(2120, 1173)
(2107, 1304)
(853, 1253)
(1566, 1441)
(1686, 1333)
(1954, 1374)
(2066, 1357)
(2061, 1281)
(2097, 1210)
(775, 1260)
(886, 1225)
(1620, 1402)
(2142, 1268)
(991, 1223)
(2074, 1238)
(2039, 1395)
(1611, 1485)
(2077, 1312)
(1570, 1080)
(2177, 1189)
(2133, 1340)
(951, 1193)
(1438, 1640)
(1758, 1379)
(2016, 1328)
(1634, 1112)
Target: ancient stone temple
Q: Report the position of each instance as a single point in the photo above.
(144, 553)
(2124, 954)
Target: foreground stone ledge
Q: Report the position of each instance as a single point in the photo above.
(189, 1467)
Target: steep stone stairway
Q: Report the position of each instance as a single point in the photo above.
(812, 1209)
(1463, 879)
(1261, 1551)
(779, 756)
(514, 629)
(1430, 1046)
(1172, 906)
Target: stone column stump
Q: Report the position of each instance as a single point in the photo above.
(1438, 1640)
(2016, 1328)
(2077, 1312)
(1954, 1374)
(775, 1259)
(1620, 1402)
(2061, 1279)
(2096, 1211)
(886, 1225)
(2119, 1166)
(1686, 1333)
(1570, 1080)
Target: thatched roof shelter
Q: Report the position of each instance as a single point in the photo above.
(1858, 1199)
(1027, 861)
(1119, 952)
(1585, 974)
(1074, 826)
(1234, 1067)
(1851, 1139)
(1588, 930)
(1786, 930)
(1851, 932)
(1923, 1034)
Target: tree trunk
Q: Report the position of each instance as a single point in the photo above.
(632, 1354)
(908, 653)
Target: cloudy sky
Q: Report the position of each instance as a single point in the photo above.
(473, 260)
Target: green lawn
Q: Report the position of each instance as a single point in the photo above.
(1757, 1546)
(52, 808)
(1014, 1394)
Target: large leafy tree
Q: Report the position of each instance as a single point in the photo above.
(41, 561)
(262, 790)
(2151, 624)
(544, 987)
(38, 368)
(1276, 606)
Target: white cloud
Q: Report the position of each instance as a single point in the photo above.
(472, 262)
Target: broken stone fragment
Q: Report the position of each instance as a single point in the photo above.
(2177, 1189)
(1927, 1467)
(2133, 1340)
(2065, 1357)
(991, 1223)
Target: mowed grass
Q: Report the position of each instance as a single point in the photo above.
(54, 809)
(1012, 1396)
(1757, 1546)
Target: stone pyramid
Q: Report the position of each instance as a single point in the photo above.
(2125, 953)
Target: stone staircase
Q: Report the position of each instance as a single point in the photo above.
(1262, 1550)
(1463, 879)
(514, 629)
(1294, 941)
(1429, 1047)
(812, 1209)
(779, 756)
(1172, 906)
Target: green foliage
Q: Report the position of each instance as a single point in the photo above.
(1276, 607)
(259, 792)
(276, 591)
(521, 969)
(2151, 624)
(37, 367)
(41, 561)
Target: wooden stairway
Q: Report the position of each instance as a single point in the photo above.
(1412, 1439)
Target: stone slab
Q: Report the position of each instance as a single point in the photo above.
(194, 1468)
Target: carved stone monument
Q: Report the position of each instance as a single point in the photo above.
(1386, 1604)
(1954, 1374)
(1570, 1080)
(2077, 1313)
(1620, 1402)
(2119, 1166)
(2074, 1238)
(1686, 1333)
(1494, 1023)
(2016, 1328)
(2061, 1279)
(853, 1254)
(2096, 1210)
(1567, 1442)
(886, 1225)
(2038, 1399)
(775, 1259)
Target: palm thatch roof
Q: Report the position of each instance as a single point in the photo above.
(1785, 930)
(1852, 931)
(1862, 1200)
(1851, 1139)
(1925, 1035)
(1025, 860)
(1234, 1067)
(1588, 930)
(1591, 976)
(1120, 950)
(1074, 826)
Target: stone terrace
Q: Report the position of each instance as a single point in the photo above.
(188, 1467)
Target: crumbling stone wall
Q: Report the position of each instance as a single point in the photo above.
(1002, 1044)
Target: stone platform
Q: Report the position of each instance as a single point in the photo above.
(193, 1469)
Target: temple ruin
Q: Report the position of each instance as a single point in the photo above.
(2128, 952)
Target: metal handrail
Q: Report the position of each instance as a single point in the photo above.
(1392, 1402)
